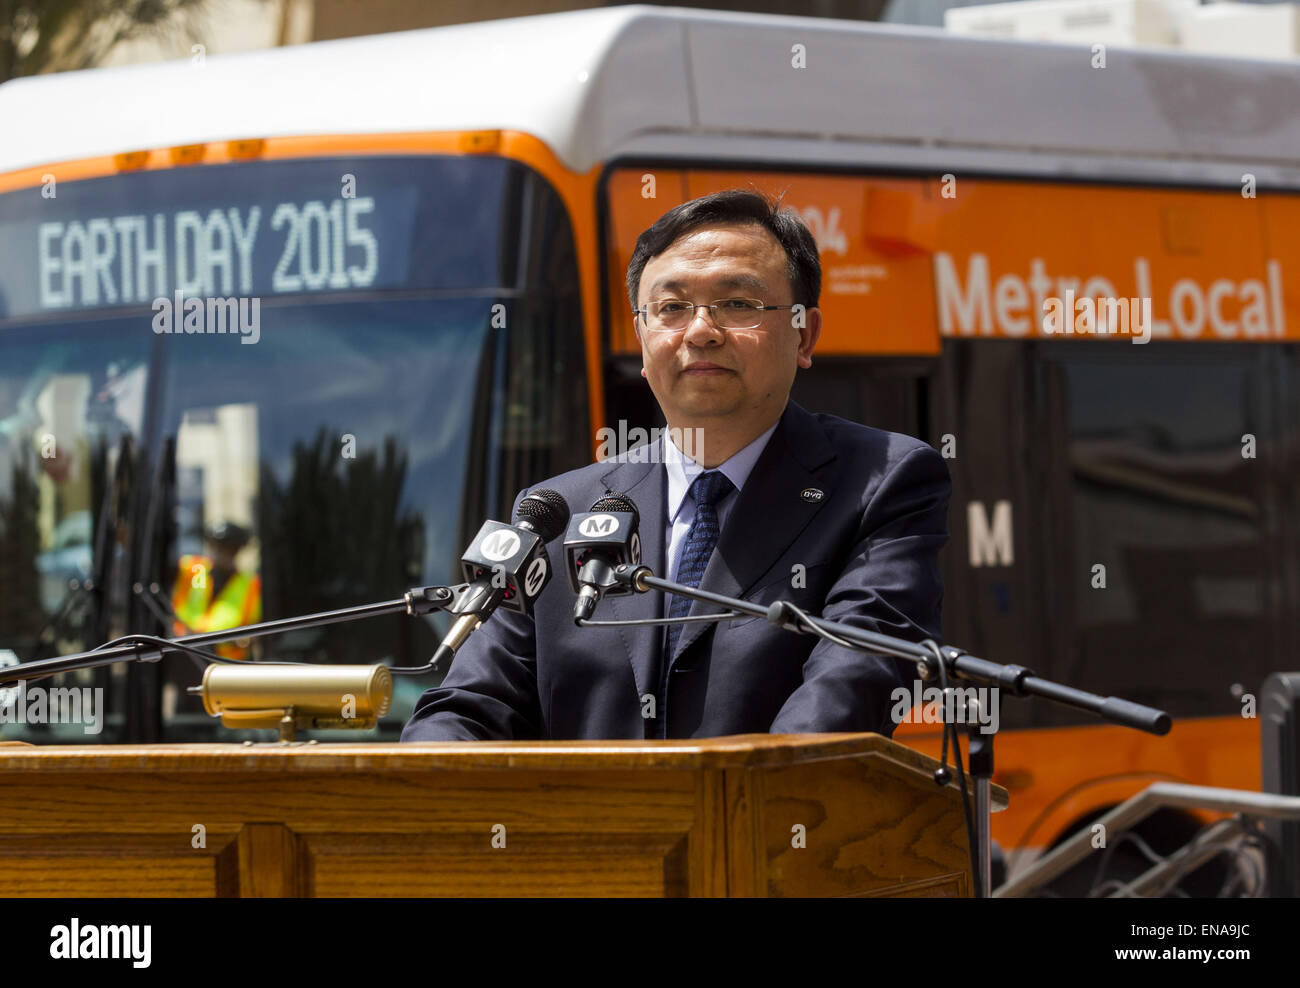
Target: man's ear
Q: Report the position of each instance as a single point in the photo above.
(809, 333)
(636, 328)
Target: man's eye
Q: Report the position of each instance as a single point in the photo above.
(670, 307)
(738, 304)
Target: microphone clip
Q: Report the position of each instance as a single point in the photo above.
(426, 600)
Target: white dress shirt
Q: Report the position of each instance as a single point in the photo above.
(682, 471)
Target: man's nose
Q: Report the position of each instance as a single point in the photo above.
(702, 330)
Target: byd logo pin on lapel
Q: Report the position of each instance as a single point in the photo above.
(812, 495)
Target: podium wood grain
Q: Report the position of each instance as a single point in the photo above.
(710, 817)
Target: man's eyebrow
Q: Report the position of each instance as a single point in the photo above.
(747, 282)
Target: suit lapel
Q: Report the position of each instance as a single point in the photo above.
(768, 515)
(646, 485)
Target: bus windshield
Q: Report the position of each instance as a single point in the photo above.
(349, 393)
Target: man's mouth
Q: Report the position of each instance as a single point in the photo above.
(706, 369)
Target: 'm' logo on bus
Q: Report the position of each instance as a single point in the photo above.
(598, 525)
(500, 545)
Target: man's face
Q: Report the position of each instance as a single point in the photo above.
(703, 373)
(223, 553)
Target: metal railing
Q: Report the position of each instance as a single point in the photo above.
(1165, 872)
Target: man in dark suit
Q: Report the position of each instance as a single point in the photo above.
(748, 495)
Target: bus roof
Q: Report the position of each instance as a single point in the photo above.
(649, 81)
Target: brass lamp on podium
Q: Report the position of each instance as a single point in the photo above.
(290, 698)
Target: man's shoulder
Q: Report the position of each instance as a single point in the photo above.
(865, 443)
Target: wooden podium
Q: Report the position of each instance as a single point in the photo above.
(748, 815)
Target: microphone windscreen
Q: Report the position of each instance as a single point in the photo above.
(546, 512)
(617, 502)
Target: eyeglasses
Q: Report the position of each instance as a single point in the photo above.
(672, 315)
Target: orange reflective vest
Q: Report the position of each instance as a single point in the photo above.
(240, 602)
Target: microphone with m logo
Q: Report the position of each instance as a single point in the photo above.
(597, 542)
(505, 566)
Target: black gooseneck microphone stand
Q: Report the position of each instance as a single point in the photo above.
(418, 601)
(933, 662)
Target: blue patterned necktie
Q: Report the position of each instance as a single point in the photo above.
(709, 488)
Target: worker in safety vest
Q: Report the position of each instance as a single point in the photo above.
(211, 594)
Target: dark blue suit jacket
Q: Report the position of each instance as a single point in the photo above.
(869, 548)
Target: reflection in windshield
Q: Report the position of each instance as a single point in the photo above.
(337, 446)
(322, 468)
(339, 379)
(67, 414)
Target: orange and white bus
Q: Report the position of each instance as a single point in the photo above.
(422, 238)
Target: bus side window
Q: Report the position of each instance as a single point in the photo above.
(1171, 561)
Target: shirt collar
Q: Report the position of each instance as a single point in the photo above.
(682, 470)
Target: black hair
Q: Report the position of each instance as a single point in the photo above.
(734, 206)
